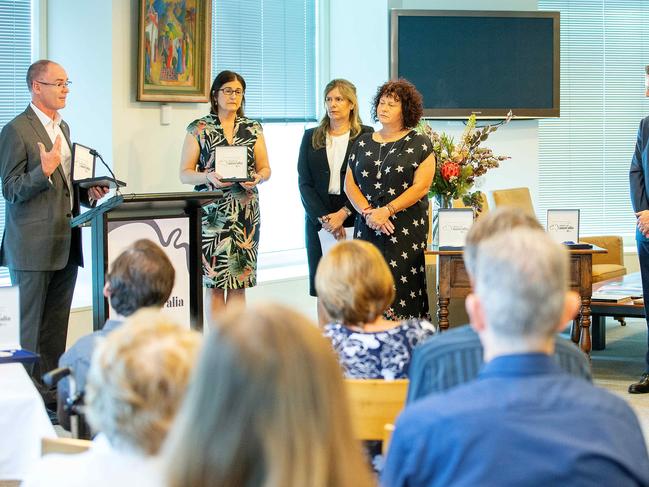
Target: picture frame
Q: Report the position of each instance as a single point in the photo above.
(563, 225)
(174, 51)
(454, 224)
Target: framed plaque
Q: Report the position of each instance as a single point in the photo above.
(563, 225)
(454, 224)
(231, 163)
(83, 163)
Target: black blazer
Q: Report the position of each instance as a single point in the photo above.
(313, 176)
(639, 172)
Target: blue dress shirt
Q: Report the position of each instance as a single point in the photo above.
(523, 422)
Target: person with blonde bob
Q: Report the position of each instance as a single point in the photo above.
(321, 168)
(266, 408)
(356, 287)
(136, 382)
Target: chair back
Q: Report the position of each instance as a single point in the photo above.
(65, 446)
(516, 197)
(373, 404)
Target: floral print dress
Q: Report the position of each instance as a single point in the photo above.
(383, 172)
(230, 225)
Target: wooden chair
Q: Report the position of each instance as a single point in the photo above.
(65, 446)
(375, 403)
(516, 197)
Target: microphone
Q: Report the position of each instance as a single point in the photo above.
(97, 154)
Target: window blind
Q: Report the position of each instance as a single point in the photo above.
(15, 58)
(271, 43)
(584, 156)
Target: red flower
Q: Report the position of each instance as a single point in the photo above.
(450, 169)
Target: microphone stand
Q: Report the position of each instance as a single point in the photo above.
(117, 185)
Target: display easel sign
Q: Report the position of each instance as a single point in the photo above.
(9, 318)
(454, 224)
(563, 225)
(231, 163)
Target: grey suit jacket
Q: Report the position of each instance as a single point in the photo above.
(37, 234)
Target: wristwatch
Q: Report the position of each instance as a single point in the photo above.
(347, 211)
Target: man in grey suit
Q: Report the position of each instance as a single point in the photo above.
(39, 247)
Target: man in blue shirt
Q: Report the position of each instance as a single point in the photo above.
(524, 421)
(141, 276)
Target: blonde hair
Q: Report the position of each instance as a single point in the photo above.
(354, 283)
(266, 407)
(348, 91)
(137, 380)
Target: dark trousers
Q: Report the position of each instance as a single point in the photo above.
(45, 301)
(643, 255)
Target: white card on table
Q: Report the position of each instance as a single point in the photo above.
(9, 318)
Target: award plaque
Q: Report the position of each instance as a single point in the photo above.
(563, 225)
(231, 163)
(454, 224)
(83, 163)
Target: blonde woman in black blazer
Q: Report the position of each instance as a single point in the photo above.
(321, 152)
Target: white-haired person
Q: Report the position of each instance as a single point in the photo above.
(356, 287)
(524, 421)
(266, 408)
(136, 382)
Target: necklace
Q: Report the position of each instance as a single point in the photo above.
(380, 162)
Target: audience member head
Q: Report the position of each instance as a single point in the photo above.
(402, 92)
(354, 284)
(137, 380)
(346, 107)
(492, 223)
(266, 407)
(140, 277)
(217, 85)
(521, 296)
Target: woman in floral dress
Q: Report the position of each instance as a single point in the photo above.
(231, 224)
(387, 181)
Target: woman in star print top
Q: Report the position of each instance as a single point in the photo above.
(387, 181)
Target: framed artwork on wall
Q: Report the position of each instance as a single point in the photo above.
(174, 50)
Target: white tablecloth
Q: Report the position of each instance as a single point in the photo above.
(23, 422)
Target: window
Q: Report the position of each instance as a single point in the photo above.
(584, 156)
(271, 43)
(15, 58)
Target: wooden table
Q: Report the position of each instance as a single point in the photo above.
(600, 310)
(453, 282)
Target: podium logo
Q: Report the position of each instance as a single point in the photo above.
(175, 302)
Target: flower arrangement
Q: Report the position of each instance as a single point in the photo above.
(458, 165)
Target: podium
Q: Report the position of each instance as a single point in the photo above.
(171, 220)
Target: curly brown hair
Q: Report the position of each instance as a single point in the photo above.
(412, 106)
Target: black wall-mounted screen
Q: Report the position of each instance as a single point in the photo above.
(485, 62)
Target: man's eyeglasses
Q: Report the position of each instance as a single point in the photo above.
(58, 84)
(230, 91)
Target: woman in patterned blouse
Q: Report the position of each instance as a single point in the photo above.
(355, 286)
(231, 224)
